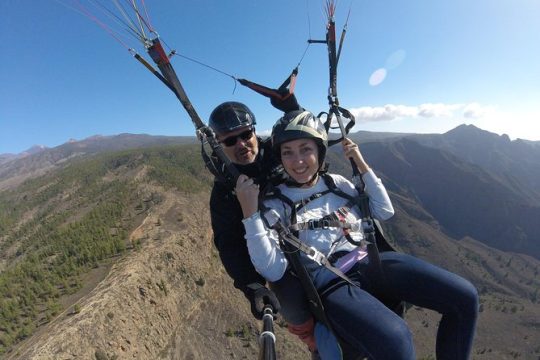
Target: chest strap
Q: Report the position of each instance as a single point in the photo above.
(323, 224)
(272, 219)
(334, 220)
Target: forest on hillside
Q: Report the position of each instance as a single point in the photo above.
(55, 228)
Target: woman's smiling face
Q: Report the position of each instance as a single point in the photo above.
(300, 160)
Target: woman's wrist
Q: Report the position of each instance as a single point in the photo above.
(251, 215)
(362, 166)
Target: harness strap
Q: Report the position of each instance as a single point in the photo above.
(325, 223)
(332, 220)
(331, 185)
(212, 165)
(312, 253)
(339, 111)
(315, 303)
(332, 286)
(300, 204)
(273, 192)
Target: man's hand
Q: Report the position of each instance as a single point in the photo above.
(259, 296)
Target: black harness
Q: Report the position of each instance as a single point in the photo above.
(336, 219)
(291, 248)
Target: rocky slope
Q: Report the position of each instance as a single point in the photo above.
(169, 299)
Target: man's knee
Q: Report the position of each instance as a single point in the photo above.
(291, 296)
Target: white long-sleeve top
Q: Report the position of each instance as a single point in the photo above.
(263, 243)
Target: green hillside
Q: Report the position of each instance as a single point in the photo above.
(56, 227)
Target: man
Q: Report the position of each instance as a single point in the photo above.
(234, 125)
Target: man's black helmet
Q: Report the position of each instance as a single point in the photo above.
(229, 116)
(300, 124)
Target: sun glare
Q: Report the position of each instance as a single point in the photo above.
(377, 77)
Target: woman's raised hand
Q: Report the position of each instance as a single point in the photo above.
(352, 151)
(247, 193)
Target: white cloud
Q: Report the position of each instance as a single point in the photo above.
(391, 111)
(437, 110)
(476, 111)
(384, 113)
(438, 118)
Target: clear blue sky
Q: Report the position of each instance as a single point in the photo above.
(408, 66)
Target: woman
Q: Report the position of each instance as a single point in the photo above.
(355, 313)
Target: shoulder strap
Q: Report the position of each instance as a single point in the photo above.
(331, 185)
(273, 192)
(215, 167)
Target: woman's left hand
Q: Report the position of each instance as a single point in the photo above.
(352, 151)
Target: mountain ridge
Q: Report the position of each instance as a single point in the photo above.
(18, 169)
(515, 163)
(481, 207)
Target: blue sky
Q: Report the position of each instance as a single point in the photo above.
(407, 66)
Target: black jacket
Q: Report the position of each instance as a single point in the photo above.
(227, 216)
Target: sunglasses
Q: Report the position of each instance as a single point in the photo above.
(231, 140)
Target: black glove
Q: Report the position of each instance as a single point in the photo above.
(259, 296)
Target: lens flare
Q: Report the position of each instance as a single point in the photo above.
(377, 77)
(395, 59)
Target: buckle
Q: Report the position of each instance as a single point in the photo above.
(367, 226)
(318, 224)
(316, 255)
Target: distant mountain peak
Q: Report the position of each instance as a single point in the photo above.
(466, 126)
(466, 129)
(471, 132)
(95, 137)
(34, 150)
(4, 158)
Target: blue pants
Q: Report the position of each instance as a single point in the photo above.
(360, 318)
